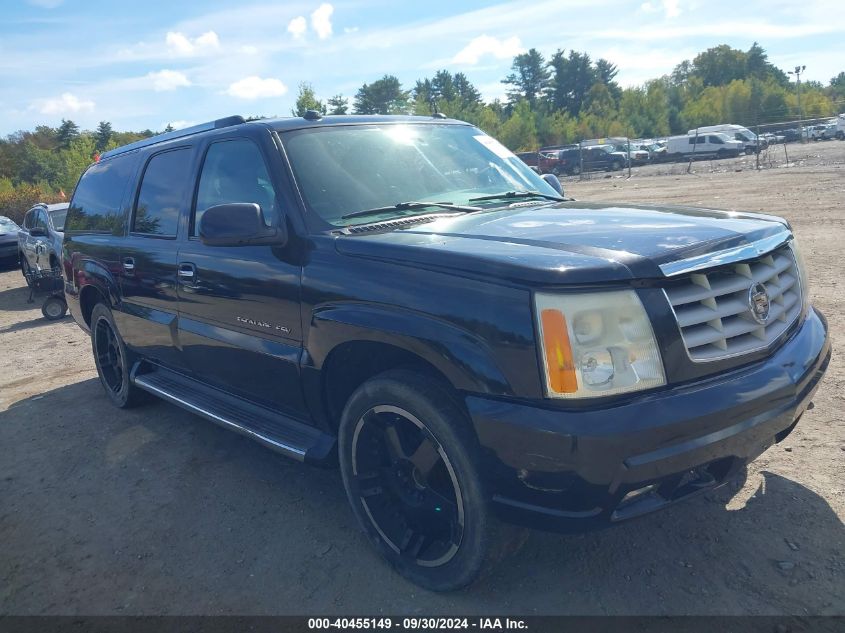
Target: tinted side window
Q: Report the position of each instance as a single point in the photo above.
(165, 182)
(716, 140)
(41, 219)
(96, 203)
(234, 171)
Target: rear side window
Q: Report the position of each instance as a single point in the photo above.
(165, 182)
(96, 203)
(234, 171)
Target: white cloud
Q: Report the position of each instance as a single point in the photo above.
(487, 45)
(672, 8)
(249, 50)
(257, 88)
(180, 44)
(350, 29)
(66, 104)
(648, 7)
(166, 80)
(321, 20)
(297, 26)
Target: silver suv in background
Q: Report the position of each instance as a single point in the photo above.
(40, 237)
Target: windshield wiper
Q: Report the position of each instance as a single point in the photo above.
(405, 206)
(507, 195)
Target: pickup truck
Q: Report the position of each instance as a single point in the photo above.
(404, 298)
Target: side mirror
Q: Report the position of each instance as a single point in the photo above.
(38, 231)
(239, 224)
(553, 182)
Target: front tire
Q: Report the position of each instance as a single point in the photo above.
(113, 360)
(409, 464)
(26, 271)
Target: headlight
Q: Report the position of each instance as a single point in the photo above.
(597, 344)
(803, 281)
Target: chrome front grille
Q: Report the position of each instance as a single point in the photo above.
(713, 306)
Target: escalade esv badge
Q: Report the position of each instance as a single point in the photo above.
(758, 302)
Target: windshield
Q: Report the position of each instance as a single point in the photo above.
(7, 225)
(344, 169)
(58, 218)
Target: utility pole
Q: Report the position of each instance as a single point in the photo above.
(797, 72)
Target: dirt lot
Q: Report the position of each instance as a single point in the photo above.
(156, 511)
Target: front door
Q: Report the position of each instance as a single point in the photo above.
(239, 321)
(35, 247)
(149, 256)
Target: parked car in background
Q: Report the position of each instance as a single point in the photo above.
(561, 162)
(40, 237)
(529, 158)
(749, 140)
(634, 152)
(791, 135)
(816, 132)
(8, 240)
(603, 158)
(839, 132)
(711, 145)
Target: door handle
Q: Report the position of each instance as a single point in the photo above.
(187, 272)
(129, 264)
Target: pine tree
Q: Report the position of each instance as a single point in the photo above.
(103, 135)
(66, 133)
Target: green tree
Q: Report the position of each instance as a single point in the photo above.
(307, 100)
(338, 104)
(572, 78)
(528, 78)
(67, 131)
(519, 132)
(384, 96)
(103, 135)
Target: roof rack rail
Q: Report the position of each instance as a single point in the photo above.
(167, 136)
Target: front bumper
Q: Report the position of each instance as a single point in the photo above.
(573, 469)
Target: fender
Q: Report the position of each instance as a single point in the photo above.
(461, 356)
(88, 272)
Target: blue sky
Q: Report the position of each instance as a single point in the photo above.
(146, 64)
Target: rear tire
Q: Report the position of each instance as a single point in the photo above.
(113, 360)
(409, 464)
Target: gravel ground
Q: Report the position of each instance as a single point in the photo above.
(155, 511)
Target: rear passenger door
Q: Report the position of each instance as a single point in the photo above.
(239, 319)
(149, 256)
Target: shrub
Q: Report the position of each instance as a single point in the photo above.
(15, 203)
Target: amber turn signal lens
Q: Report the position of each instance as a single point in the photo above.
(558, 352)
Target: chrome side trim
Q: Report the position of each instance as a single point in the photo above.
(726, 256)
(296, 453)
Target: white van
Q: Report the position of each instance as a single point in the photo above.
(839, 130)
(742, 134)
(710, 145)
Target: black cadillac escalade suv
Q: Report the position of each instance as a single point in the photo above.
(405, 297)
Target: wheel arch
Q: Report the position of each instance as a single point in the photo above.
(96, 284)
(371, 340)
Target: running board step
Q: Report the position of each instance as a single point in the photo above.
(275, 430)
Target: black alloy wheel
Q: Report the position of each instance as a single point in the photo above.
(410, 465)
(113, 360)
(407, 486)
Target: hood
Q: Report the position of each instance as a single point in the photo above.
(562, 243)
